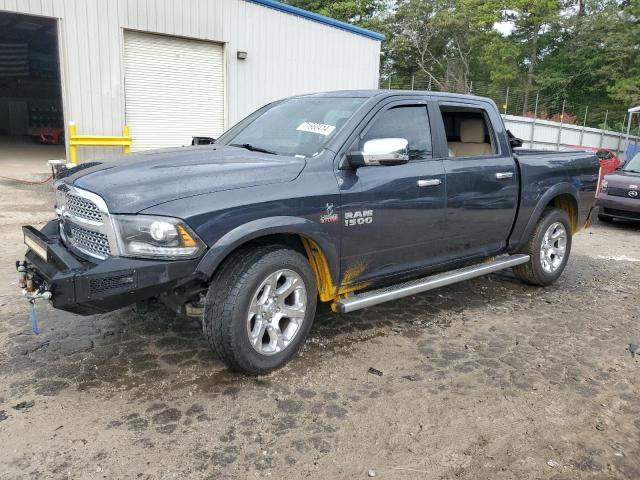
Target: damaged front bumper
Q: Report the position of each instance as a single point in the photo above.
(83, 287)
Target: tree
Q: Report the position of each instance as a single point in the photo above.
(534, 22)
(357, 12)
(435, 39)
(626, 85)
(595, 56)
(584, 51)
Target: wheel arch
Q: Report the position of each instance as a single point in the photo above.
(568, 203)
(298, 233)
(563, 196)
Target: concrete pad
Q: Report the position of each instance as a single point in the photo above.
(23, 158)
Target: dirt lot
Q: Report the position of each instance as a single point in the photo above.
(489, 379)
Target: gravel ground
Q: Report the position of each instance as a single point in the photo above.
(486, 379)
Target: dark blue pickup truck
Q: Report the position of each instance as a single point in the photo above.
(352, 198)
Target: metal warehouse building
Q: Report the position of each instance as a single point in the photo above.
(169, 69)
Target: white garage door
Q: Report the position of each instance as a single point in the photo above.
(174, 89)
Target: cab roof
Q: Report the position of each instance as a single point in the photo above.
(389, 93)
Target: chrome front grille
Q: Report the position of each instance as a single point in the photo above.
(83, 208)
(89, 241)
(85, 227)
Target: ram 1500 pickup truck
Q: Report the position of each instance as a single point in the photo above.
(352, 198)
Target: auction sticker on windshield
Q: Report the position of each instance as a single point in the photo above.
(311, 127)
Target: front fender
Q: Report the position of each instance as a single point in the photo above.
(534, 211)
(269, 226)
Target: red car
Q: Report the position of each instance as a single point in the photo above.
(609, 162)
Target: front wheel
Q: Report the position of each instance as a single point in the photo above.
(259, 308)
(549, 247)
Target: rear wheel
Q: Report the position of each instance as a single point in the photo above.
(549, 247)
(259, 308)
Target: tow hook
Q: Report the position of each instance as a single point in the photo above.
(31, 298)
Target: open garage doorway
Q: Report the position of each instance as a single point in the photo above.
(31, 116)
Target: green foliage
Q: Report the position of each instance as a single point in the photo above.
(501, 58)
(581, 51)
(594, 58)
(359, 12)
(625, 69)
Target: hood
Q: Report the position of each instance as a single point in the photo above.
(131, 183)
(624, 180)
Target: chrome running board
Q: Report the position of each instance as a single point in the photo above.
(374, 297)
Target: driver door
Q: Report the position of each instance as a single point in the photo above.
(392, 216)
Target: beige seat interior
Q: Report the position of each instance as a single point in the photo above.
(471, 140)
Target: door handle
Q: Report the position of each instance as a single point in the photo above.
(503, 175)
(429, 183)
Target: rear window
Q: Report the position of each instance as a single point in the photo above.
(469, 132)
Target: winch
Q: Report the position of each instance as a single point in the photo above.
(33, 288)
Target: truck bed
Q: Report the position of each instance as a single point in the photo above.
(543, 173)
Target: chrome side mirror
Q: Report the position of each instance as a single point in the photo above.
(380, 151)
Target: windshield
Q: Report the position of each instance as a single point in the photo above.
(297, 126)
(633, 165)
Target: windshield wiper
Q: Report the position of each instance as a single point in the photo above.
(632, 171)
(252, 148)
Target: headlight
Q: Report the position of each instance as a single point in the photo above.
(145, 236)
(604, 186)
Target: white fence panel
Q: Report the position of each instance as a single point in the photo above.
(548, 135)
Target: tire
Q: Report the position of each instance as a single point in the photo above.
(237, 292)
(605, 218)
(540, 269)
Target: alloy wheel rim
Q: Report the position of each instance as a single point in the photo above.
(554, 247)
(276, 312)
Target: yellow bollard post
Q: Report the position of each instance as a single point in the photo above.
(73, 149)
(125, 133)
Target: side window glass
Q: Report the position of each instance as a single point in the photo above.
(469, 132)
(410, 123)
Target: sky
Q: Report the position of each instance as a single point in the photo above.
(505, 28)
